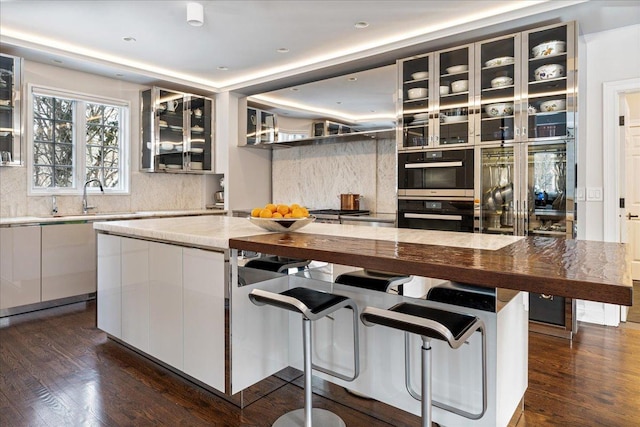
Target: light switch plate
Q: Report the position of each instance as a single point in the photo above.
(594, 194)
(580, 194)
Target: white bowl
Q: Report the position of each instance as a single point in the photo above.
(499, 109)
(553, 105)
(444, 90)
(549, 71)
(460, 86)
(503, 60)
(421, 117)
(166, 146)
(281, 224)
(454, 119)
(552, 47)
(501, 81)
(457, 69)
(420, 75)
(417, 92)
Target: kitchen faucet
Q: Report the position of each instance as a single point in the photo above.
(85, 206)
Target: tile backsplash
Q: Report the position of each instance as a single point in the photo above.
(316, 175)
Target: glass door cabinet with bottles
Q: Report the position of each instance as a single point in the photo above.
(262, 127)
(10, 128)
(177, 132)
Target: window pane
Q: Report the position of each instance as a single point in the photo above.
(93, 173)
(111, 136)
(94, 156)
(43, 176)
(112, 116)
(43, 154)
(63, 176)
(42, 107)
(64, 154)
(94, 113)
(42, 130)
(111, 177)
(94, 134)
(63, 109)
(64, 132)
(111, 156)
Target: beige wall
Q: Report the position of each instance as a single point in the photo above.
(147, 191)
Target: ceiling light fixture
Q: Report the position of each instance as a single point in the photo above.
(57, 61)
(361, 24)
(129, 39)
(282, 50)
(352, 79)
(223, 68)
(195, 14)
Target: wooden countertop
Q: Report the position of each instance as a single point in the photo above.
(589, 270)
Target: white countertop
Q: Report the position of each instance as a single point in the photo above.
(215, 231)
(102, 216)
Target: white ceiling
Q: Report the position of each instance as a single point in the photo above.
(245, 35)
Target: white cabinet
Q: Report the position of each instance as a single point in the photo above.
(135, 293)
(68, 260)
(19, 266)
(109, 285)
(203, 292)
(165, 303)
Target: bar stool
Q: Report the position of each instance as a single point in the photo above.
(373, 280)
(276, 264)
(313, 305)
(431, 323)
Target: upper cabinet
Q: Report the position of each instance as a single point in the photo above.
(261, 127)
(10, 129)
(518, 87)
(177, 132)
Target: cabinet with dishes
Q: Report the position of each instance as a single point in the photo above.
(262, 127)
(512, 88)
(10, 128)
(177, 132)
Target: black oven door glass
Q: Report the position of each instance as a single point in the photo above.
(447, 215)
(436, 170)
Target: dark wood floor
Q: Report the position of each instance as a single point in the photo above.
(57, 369)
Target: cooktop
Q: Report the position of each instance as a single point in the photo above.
(338, 212)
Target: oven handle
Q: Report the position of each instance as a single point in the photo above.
(433, 216)
(432, 165)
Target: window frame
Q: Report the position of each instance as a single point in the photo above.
(79, 165)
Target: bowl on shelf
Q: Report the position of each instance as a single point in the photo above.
(420, 75)
(503, 60)
(444, 90)
(455, 119)
(457, 69)
(460, 86)
(420, 117)
(549, 71)
(553, 105)
(166, 146)
(417, 92)
(499, 109)
(551, 47)
(196, 166)
(281, 224)
(501, 81)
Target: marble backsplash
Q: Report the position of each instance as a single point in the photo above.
(316, 175)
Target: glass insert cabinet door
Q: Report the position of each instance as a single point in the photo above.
(10, 129)
(416, 102)
(177, 132)
(498, 189)
(262, 126)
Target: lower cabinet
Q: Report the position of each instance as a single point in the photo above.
(19, 266)
(167, 301)
(68, 260)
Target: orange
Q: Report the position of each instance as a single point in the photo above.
(271, 207)
(277, 215)
(256, 212)
(266, 213)
(305, 211)
(297, 213)
(283, 209)
(287, 215)
(294, 206)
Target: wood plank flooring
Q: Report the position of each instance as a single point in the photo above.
(58, 369)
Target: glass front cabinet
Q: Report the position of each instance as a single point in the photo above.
(515, 88)
(262, 127)
(10, 129)
(177, 132)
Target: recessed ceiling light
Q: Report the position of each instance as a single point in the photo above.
(57, 61)
(223, 68)
(361, 24)
(129, 39)
(338, 102)
(352, 79)
(119, 75)
(295, 89)
(282, 50)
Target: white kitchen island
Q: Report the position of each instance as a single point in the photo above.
(169, 288)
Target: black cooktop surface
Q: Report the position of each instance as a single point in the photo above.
(337, 212)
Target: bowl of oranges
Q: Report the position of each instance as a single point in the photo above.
(281, 217)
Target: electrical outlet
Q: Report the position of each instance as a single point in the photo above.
(594, 194)
(580, 194)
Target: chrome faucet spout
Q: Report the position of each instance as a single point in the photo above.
(85, 206)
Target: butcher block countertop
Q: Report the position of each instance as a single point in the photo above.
(595, 271)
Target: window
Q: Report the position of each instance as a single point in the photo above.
(77, 138)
